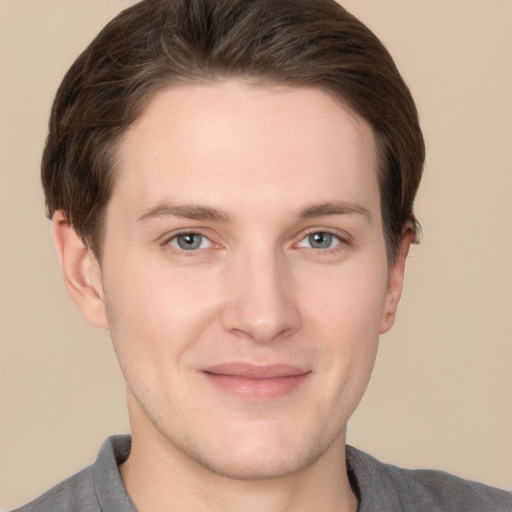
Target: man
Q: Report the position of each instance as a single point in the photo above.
(231, 188)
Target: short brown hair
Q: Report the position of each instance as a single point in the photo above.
(157, 43)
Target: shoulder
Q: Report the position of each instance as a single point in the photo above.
(96, 488)
(425, 490)
(438, 490)
(75, 493)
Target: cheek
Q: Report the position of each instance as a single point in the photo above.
(155, 313)
(347, 300)
(344, 320)
(155, 320)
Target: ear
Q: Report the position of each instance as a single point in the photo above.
(81, 271)
(395, 282)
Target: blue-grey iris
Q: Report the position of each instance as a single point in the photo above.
(189, 241)
(320, 240)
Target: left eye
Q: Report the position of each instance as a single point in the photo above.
(320, 240)
(190, 241)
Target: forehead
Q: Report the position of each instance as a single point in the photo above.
(218, 142)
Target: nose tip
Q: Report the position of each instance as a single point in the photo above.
(262, 329)
(263, 307)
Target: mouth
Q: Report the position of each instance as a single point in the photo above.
(255, 382)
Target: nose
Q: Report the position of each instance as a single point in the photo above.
(262, 304)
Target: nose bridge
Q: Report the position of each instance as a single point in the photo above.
(262, 305)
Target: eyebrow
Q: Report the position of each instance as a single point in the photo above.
(205, 213)
(333, 208)
(187, 211)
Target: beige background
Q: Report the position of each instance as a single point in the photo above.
(441, 393)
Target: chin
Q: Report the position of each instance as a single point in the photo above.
(258, 466)
(253, 456)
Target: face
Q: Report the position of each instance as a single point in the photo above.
(245, 274)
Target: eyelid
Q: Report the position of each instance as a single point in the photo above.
(169, 235)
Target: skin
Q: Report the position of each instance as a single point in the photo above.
(254, 172)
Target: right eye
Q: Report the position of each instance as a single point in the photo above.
(190, 241)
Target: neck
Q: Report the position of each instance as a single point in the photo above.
(159, 477)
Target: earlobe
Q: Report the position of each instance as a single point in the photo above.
(395, 283)
(81, 271)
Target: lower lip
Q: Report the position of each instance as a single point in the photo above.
(257, 390)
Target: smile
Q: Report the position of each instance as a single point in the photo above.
(257, 383)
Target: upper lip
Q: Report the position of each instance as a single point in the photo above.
(255, 371)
